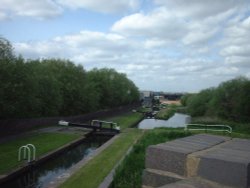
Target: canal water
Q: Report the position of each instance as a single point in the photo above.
(178, 120)
(41, 175)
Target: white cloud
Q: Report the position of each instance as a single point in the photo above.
(159, 24)
(235, 44)
(235, 50)
(105, 6)
(154, 43)
(248, 75)
(136, 67)
(191, 66)
(46, 9)
(238, 33)
(199, 34)
(88, 39)
(238, 61)
(246, 23)
(83, 47)
(3, 16)
(201, 9)
(40, 9)
(203, 31)
(222, 71)
(41, 49)
(163, 48)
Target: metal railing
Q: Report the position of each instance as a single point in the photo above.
(27, 151)
(204, 127)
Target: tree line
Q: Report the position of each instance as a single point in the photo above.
(52, 87)
(230, 100)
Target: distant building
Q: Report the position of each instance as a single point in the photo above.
(146, 98)
(147, 93)
(173, 96)
(164, 97)
(158, 97)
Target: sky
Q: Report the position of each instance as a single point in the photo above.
(161, 45)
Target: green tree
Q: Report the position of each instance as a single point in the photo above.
(231, 99)
(198, 103)
(70, 80)
(6, 50)
(115, 88)
(51, 87)
(184, 99)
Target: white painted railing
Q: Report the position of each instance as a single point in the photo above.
(203, 127)
(27, 151)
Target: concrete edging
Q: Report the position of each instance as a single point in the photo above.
(109, 178)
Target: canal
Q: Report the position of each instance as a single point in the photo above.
(40, 176)
(178, 120)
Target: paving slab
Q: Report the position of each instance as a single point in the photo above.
(194, 183)
(206, 139)
(221, 160)
(238, 144)
(156, 178)
(228, 164)
(171, 156)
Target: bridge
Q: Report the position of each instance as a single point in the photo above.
(96, 126)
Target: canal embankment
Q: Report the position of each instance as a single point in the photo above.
(94, 172)
(101, 165)
(41, 172)
(125, 121)
(48, 145)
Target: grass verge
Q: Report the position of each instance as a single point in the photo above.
(44, 142)
(129, 172)
(166, 113)
(93, 173)
(127, 120)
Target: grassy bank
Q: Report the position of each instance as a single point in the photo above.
(166, 113)
(143, 109)
(127, 120)
(129, 173)
(93, 173)
(44, 142)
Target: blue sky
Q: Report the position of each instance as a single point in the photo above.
(162, 45)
